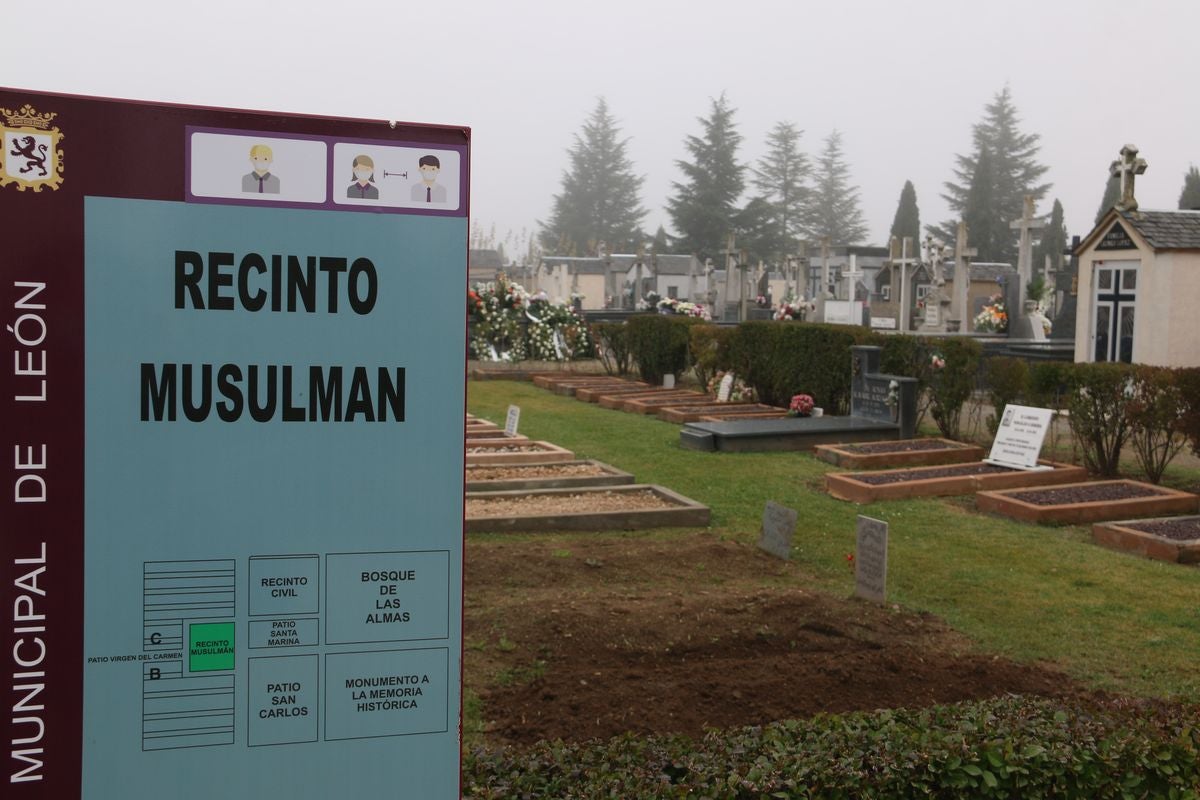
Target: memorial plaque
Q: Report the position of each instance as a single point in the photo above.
(883, 323)
(512, 420)
(870, 560)
(778, 528)
(1019, 437)
(234, 557)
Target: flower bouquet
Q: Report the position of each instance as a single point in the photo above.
(801, 406)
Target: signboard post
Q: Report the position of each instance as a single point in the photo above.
(232, 553)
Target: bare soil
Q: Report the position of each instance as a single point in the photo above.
(550, 504)
(582, 638)
(883, 478)
(903, 446)
(1089, 493)
(1183, 529)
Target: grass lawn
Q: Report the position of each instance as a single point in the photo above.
(1032, 593)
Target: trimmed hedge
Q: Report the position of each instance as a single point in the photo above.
(709, 345)
(1009, 747)
(658, 344)
(612, 347)
(782, 359)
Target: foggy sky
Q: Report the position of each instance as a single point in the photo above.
(903, 82)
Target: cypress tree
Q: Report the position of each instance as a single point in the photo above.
(1189, 198)
(907, 221)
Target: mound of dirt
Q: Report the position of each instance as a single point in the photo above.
(578, 639)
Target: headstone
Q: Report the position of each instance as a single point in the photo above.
(933, 319)
(1019, 437)
(778, 527)
(870, 559)
(669, 381)
(888, 398)
(725, 388)
(512, 420)
(962, 279)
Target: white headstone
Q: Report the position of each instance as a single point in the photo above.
(725, 389)
(669, 380)
(778, 527)
(512, 420)
(1019, 437)
(870, 560)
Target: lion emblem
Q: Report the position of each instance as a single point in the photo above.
(33, 153)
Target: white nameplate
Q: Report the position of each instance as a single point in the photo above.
(1019, 438)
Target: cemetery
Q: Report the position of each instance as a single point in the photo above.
(912, 595)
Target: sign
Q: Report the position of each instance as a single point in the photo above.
(1117, 238)
(725, 388)
(1019, 437)
(843, 312)
(236, 514)
(778, 527)
(870, 560)
(512, 420)
(883, 323)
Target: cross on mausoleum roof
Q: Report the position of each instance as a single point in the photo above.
(1125, 168)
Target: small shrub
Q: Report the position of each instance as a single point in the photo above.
(951, 383)
(1189, 386)
(907, 356)
(1050, 384)
(709, 345)
(611, 340)
(1098, 420)
(658, 344)
(1156, 410)
(1008, 383)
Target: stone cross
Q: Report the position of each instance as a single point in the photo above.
(801, 266)
(824, 266)
(962, 278)
(1126, 168)
(934, 254)
(730, 261)
(1026, 225)
(851, 276)
(902, 247)
(691, 290)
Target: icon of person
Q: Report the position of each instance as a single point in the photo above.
(428, 190)
(260, 180)
(364, 187)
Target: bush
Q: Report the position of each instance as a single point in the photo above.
(1156, 410)
(1050, 384)
(1008, 383)
(1098, 420)
(1189, 386)
(709, 345)
(951, 384)
(658, 344)
(907, 356)
(611, 340)
(1009, 747)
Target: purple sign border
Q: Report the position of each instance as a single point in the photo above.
(328, 204)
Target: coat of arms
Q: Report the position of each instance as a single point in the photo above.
(31, 156)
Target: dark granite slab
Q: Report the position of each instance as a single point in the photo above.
(791, 433)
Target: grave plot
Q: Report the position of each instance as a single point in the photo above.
(593, 394)
(898, 453)
(617, 400)
(1078, 503)
(944, 480)
(881, 406)
(497, 434)
(486, 452)
(651, 405)
(1174, 539)
(560, 475)
(711, 411)
(632, 507)
(567, 386)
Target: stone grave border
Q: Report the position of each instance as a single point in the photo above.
(687, 513)
(611, 477)
(538, 452)
(843, 485)
(616, 400)
(489, 435)
(953, 453)
(651, 405)
(1123, 536)
(593, 394)
(1164, 502)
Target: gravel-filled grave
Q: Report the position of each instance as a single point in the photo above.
(902, 446)
(883, 478)
(1086, 493)
(529, 471)
(573, 503)
(1184, 529)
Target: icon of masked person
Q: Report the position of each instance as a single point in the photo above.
(364, 187)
